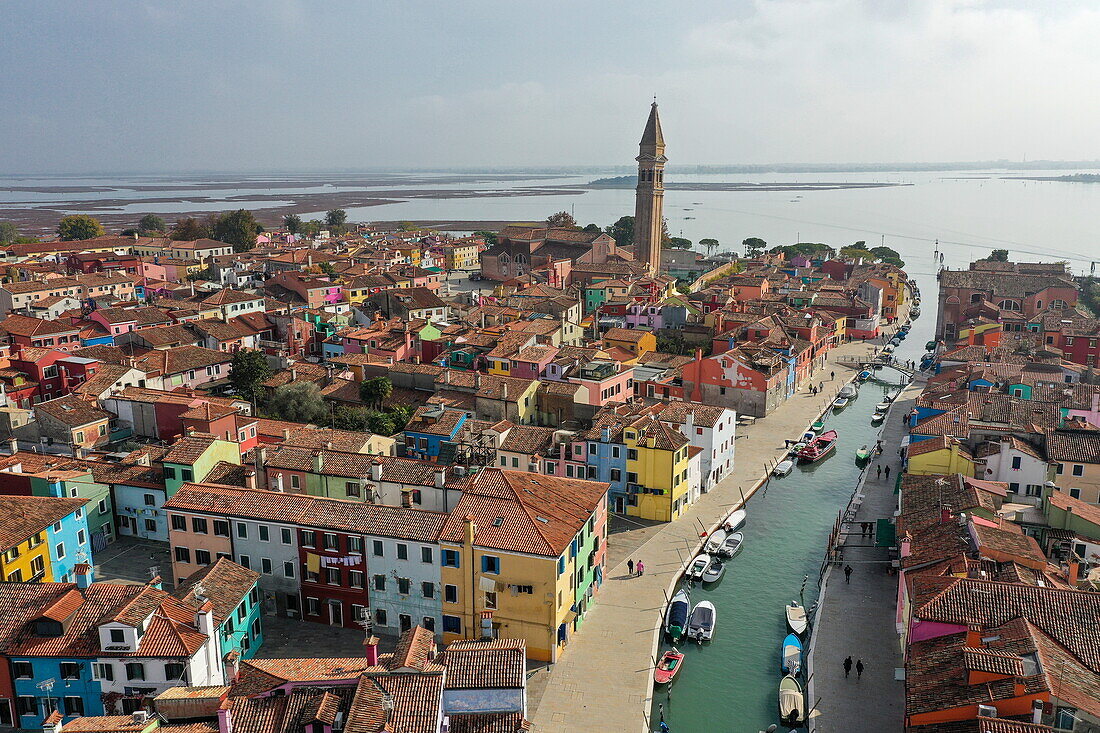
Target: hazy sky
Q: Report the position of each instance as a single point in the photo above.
(284, 84)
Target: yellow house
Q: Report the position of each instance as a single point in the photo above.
(412, 251)
(942, 454)
(460, 255)
(656, 470)
(522, 557)
(634, 341)
(24, 535)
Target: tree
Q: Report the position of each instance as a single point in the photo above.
(152, 223)
(408, 226)
(709, 244)
(238, 228)
(888, 255)
(328, 269)
(671, 343)
(336, 218)
(298, 402)
(489, 237)
(293, 223)
(248, 370)
(188, 229)
(856, 253)
(8, 232)
(312, 228)
(998, 255)
(754, 246)
(375, 391)
(561, 220)
(594, 228)
(78, 226)
(622, 231)
(679, 243)
(380, 423)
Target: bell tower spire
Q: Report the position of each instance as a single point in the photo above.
(649, 199)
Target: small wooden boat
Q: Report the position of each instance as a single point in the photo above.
(818, 426)
(735, 520)
(906, 328)
(783, 468)
(701, 622)
(668, 667)
(878, 417)
(864, 375)
(796, 617)
(745, 420)
(915, 313)
(895, 342)
(821, 447)
(840, 403)
(677, 614)
(717, 537)
(863, 454)
(795, 448)
(930, 346)
(882, 407)
(714, 570)
(732, 545)
(698, 566)
(849, 391)
(792, 704)
(791, 654)
(887, 349)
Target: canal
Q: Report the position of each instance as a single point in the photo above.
(731, 683)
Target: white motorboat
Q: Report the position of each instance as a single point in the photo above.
(698, 566)
(882, 407)
(717, 537)
(796, 617)
(714, 570)
(840, 403)
(701, 622)
(848, 391)
(736, 520)
(732, 545)
(783, 467)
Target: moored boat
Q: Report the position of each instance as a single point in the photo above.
(882, 407)
(698, 566)
(796, 617)
(714, 570)
(717, 537)
(863, 454)
(850, 391)
(732, 545)
(840, 403)
(930, 346)
(877, 417)
(791, 654)
(735, 520)
(783, 468)
(864, 375)
(818, 426)
(822, 446)
(792, 704)
(677, 614)
(668, 666)
(701, 622)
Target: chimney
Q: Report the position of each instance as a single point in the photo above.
(470, 529)
(477, 380)
(1036, 711)
(189, 431)
(370, 646)
(318, 461)
(504, 391)
(279, 482)
(260, 454)
(446, 380)
(376, 470)
(13, 445)
(440, 477)
(83, 573)
(204, 617)
(232, 666)
(250, 479)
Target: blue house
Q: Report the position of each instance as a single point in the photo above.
(234, 592)
(69, 545)
(429, 428)
(607, 453)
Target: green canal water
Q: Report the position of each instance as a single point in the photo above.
(731, 683)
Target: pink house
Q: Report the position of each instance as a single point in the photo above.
(603, 382)
(644, 315)
(531, 362)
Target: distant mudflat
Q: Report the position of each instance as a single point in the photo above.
(632, 181)
(1072, 178)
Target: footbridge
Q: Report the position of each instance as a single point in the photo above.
(875, 364)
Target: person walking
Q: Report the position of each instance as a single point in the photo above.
(887, 473)
(847, 574)
(832, 376)
(630, 566)
(847, 666)
(641, 567)
(859, 669)
(880, 470)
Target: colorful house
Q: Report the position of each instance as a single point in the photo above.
(30, 550)
(235, 593)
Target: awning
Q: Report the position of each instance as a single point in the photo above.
(570, 617)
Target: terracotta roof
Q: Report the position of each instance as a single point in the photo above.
(189, 448)
(1075, 446)
(25, 516)
(72, 411)
(527, 439)
(20, 325)
(224, 583)
(1088, 512)
(496, 663)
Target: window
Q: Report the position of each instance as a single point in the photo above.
(242, 530)
(450, 559)
(308, 538)
(631, 454)
(183, 554)
(355, 578)
(1078, 469)
(179, 523)
(1016, 462)
(428, 623)
(377, 548)
(102, 671)
(22, 670)
(288, 537)
(255, 628)
(402, 551)
(150, 525)
(69, 671)
(355, 545)
(27, 704)
(186, 474)
(221, 528)
(380, 582)
(135, 671)
(332, 576)
(615, 451)
(426, 554)
(150, 500)
(490, 600)
(60, 550)
(427, 589)
(202, 557)
(452, 625)
(351, 488)
(102, 506)
(490, 564)
(450, 593)
(198, 525)
(244, 561)
(380, 616)
(1075, 493)
(331, 541)
(404, 586)
(118, 636)
(74, 705)
(313, 607)
(295, 481)
(265, 565)
(288, 570)
(173, 671)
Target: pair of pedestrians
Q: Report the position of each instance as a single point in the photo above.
(848, 667)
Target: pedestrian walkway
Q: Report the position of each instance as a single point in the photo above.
(604, 680)
(856, 618)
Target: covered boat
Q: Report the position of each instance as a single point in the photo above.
(668, 666)
(863, 454)
(717, 537)
(735, 520)
(698, 566)
(822, 446)
(877, 417)
(677, 614)
(818, 426)
(732, 545)
(701, 622)
(783, 467)
(864, 375)
(840, 403)
(791, 654)
(714, 570)
(792, 705)
(849, 390)
(796, 617)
